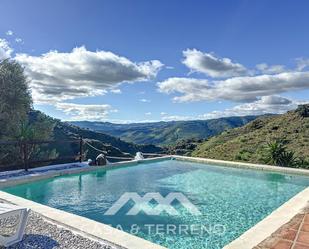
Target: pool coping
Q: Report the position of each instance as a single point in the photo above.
(248, 239)
(263, 167)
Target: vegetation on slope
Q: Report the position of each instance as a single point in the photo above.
(167, 133)
(183, 147)
(251, 142)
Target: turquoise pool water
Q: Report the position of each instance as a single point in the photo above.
(230, 200)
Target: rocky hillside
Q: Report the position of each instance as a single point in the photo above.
(248, 143)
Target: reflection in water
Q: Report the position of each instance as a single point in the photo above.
(80, 184)
(101, 174)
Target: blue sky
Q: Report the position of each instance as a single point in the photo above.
(135, 61)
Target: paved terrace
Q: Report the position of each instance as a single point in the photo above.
(292, 235)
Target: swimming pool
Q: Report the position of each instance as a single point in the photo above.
(229, 200)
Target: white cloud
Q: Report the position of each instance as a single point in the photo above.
(302, 63)
(176, 118)
(148, 113)
(18, 40)
(57, 76)
(273, 69)
(166, 117)
(9, 32)
(85, 112)
(116, 91)
(267, 104)
(240, 84)
(5, 49)
(145, 100)
(190, 88)
(239, 89)
(211, 65)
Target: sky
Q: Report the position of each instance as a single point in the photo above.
(140, 61)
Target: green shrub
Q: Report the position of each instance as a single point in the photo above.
(277, 154)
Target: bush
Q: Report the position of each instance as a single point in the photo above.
(277, 154)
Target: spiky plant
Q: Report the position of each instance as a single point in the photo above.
(274, 151)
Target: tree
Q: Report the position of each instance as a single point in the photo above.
(17, 119)
(15, 103)
(15, 98)
(37, 127)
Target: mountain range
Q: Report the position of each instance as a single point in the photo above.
(166, 133)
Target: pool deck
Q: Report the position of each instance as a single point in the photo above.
(292, 235)
(261, 232)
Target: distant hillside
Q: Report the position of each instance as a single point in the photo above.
(166, 133)
(248, 143)
(67, 130)
(114, 146)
